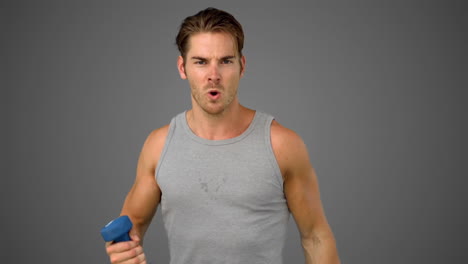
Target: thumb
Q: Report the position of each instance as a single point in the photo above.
(135, 238)
(134, 235)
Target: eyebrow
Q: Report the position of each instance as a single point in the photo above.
(205, 59)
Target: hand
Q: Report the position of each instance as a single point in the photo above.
(128, 252)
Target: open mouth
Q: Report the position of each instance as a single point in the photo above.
(214, 95)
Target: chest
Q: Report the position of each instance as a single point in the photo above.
(223, 176)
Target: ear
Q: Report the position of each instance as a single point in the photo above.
(242, 61)
(181, 67)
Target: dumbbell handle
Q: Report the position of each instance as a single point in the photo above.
(117, 230)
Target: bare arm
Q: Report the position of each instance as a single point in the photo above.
(303, 197)
(141, 201)
(144, 196)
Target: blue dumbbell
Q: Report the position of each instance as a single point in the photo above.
(117, 230)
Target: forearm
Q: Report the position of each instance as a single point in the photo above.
(320, 249)
(140, 205)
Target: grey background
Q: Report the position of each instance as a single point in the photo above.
(374, 89)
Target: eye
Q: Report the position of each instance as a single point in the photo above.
(227, 61)
(200, 62)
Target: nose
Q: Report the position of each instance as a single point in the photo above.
(214, 76)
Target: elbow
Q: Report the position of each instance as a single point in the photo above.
(321, 248)
(314, 240)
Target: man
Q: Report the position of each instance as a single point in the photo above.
(226, 176)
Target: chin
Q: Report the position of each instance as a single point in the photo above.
(214, 110)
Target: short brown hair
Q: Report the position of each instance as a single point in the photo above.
(209, 20)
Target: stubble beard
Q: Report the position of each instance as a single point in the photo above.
(208, 107)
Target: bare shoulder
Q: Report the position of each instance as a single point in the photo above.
(284, 139)
(289, 148)
(158, 136)
(153, 146)
(281, 133)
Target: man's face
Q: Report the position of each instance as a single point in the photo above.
(213, 69)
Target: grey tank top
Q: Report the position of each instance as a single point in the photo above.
(222, 200)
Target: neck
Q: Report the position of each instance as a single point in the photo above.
(230, 123)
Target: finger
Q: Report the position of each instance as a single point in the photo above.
(140, 259)
(132, 256)
(121, 247)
